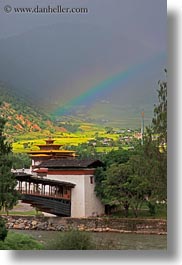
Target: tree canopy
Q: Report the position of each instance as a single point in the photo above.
(8, 193)
(132, 177)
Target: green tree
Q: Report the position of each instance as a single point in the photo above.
(117, 156)
(109, 130)
(20, 160)
(156, 161)
(3, 230)
(100, 176)
(8, 194)
(114, 157)
(155, 145)
(114, 192)
(127, 184)
(141, 174)
(159, 122)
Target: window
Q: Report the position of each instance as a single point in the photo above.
(91, 179)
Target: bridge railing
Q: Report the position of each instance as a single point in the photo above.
(44, 194)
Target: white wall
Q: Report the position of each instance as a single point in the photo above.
(84, 202)
(93, 205)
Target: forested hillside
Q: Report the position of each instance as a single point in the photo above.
(21, 115)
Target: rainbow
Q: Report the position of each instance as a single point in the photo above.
(89, 96)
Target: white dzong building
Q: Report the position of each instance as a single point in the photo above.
(61, 183)
(84, 202)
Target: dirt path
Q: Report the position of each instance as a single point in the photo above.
(22, 207)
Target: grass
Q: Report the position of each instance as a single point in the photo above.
(23, 213)
(161, 213)
(71, 240)
(15, 241)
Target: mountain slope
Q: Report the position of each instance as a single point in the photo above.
(21, 116)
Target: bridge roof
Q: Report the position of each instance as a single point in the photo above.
(71, 163)
(29, 178)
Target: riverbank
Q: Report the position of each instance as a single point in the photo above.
(104, 224)
(104, 240)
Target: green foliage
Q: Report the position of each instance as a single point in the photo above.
(156, 161)
(109, 130)
(72, 240)
(155, 145)
(85, 151)
(152, 208)
(3, 230)
(100, 176)
(159, 122)
(117, 156)
(15, 241)
(71, 127)
(131, 178)
(111, 161)
(21, 160)
(126, 184)
(158, 211)
(8, 194)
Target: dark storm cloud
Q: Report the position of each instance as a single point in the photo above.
(53, 57)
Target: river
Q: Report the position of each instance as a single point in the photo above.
(110, 240)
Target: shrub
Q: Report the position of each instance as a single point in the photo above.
(72, 240)
(152, 208)
(3, 230)
(15, 241)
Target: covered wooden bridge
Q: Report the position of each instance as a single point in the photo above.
(47, 195)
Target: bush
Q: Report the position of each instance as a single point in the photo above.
(72, 240)
(15, 241)
(3, 230)
(152, 208)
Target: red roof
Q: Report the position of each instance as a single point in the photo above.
(41, 170)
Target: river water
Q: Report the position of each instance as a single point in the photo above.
(110, 240)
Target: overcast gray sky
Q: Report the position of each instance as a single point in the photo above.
(56, 57)
(144, 19)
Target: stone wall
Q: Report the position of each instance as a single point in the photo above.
(122, 225)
